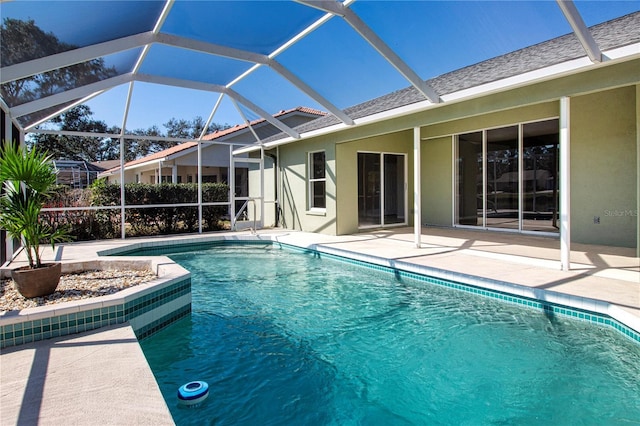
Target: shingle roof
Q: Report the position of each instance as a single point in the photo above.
(619, 32)
(220, 133)
(106, 164)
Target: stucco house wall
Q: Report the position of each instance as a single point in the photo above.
(604, 154)
(436, 181)
(347, 174)
(294, 193)
(604, 169)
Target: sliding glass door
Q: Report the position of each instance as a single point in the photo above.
(540, 173)
(381, 189)
(502, 186)
(470, 195)
(507, 178)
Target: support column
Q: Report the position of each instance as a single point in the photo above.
(232, 189)
(199, 186)
(122, 193)
(565, 192)
(638, 170)
(261, 190)
(123, 222)
(8, 126)
(417, 199)
(8, 138)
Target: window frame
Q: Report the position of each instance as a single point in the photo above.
(523, 228)
(311, 180)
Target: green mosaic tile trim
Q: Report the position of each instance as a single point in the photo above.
(505, 297)
(584, 315)
(151, 301)
(163, 322)
(62, 325)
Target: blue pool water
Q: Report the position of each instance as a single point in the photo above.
(286, 338)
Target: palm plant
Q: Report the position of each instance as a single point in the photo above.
(28, 177)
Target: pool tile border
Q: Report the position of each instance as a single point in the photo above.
(594, 311)
(581, 308)
(170, 295)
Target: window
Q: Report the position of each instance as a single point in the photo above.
(507, 177)
(381, 189)
(317, 180)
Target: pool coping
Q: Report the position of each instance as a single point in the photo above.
(98, 377)
(129, 305)
(570, 305)
(288, 239)
(582, 308)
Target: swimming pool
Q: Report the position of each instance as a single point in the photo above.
(287, 337)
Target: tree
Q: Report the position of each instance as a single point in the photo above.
(110, 147)
(24, 41)
(79, 119)
(138, 148)
(79, 148)
(190, 129)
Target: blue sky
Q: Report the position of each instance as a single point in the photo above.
(433, 37)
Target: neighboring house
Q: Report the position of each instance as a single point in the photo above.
(179, 164)
(79, 174)
(518, 136)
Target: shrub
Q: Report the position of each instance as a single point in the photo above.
(105, 223)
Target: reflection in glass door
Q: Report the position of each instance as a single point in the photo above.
(368, 189)
(394, 183)
(507, 178)
(540, 176)
(502, 188)
(469, 198)
(381, 189)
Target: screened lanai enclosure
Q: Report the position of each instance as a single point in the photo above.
(239, 65)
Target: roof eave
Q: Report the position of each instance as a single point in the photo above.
(575, 66)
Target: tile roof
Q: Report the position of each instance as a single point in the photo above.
(619, 32)
(157, 155)
(215, 135)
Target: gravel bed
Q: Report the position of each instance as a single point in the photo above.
(82, 285)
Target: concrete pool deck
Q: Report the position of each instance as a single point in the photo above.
(99, 377)
(95, 374)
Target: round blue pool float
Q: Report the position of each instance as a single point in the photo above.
(193, 393)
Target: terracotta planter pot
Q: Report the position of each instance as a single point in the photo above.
(37, 282)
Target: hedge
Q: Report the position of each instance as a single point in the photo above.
(105, 223)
